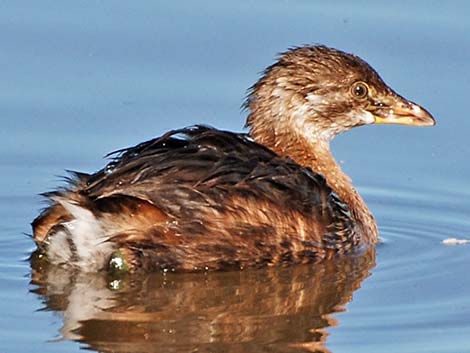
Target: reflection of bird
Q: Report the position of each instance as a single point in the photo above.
(201, 198)
(278, 309)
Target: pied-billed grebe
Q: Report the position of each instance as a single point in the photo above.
(205, 199)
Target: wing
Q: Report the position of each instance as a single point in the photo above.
(191, 156)
(204, 197)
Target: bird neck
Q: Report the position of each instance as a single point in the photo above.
(315, 153)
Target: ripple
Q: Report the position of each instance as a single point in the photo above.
(425, 283)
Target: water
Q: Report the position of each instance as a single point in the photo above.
(83, 78)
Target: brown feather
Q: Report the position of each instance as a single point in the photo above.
(48, 218)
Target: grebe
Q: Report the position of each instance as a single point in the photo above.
(199, 198)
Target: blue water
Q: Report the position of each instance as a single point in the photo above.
(82, 78)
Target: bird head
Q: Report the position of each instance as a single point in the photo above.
(318, 92)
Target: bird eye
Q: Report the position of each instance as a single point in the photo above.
(359, 90)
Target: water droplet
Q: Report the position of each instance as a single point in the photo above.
(115, 285)
(109, 169)
(117, 263)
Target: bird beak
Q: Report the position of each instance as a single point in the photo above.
(401, 111)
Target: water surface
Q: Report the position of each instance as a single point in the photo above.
(82, 78)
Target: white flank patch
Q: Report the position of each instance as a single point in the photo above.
(58, 248)
(83, 242)
(455, 241)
